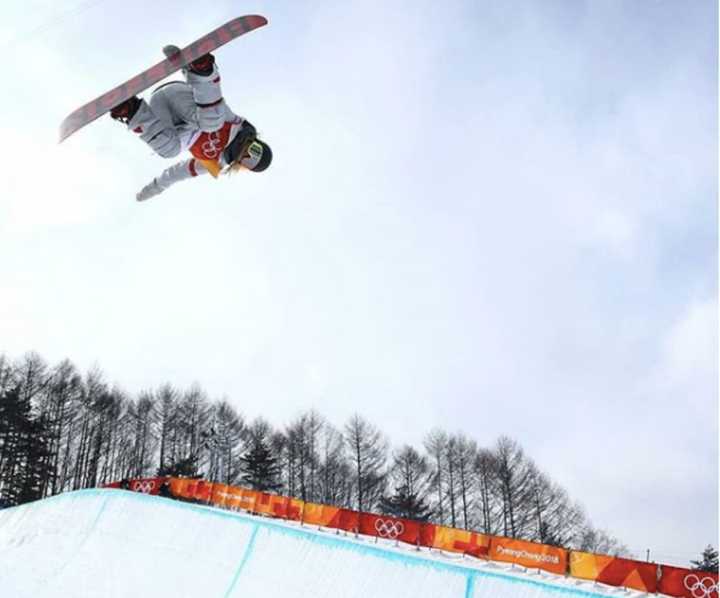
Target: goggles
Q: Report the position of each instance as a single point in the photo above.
(252, 155)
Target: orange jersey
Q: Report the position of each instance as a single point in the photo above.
(209, 146)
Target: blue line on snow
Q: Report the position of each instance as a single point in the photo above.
(83, 541)
(97, 517)
(248, 552)
(470, 587)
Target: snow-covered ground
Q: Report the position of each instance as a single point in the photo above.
(114, 543)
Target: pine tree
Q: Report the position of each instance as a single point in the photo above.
(709, 561)
(411, 476)
(36, 466)
(183, 468)
(404, 504)
(260, 468)
(24, 463)
(11, 423)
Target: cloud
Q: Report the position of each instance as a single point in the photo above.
(31, 204)
(689, 359)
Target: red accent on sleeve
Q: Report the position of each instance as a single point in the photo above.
(191, 168)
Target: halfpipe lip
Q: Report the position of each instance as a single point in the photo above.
(408, 555)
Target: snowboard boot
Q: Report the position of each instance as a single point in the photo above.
(200, 66)
(125, 111)
(203, 77)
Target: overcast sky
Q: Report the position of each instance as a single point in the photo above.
(492, 217)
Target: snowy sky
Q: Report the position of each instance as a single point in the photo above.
(493, 217)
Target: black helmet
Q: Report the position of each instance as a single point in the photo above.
(258, 156)
(247, 150)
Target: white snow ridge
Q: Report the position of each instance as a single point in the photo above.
(114, 543)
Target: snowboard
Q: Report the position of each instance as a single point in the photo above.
(208, 43)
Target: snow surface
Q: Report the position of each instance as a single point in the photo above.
(115, 543)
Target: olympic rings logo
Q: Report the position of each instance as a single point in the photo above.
(389, 528)
(144, 486)
(212, 146)
(700, 588)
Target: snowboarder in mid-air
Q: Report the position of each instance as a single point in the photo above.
(193, 115)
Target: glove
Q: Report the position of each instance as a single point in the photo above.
(150, 190)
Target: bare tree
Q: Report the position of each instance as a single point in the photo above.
(166, 399)
(57, 410)
(31, 376)
(302, 454)
(514, 479)
(191, 437)
(600, 542)
(225, 445)
(488, 491)
(335, 471)
(464, 454)
(144, 416)
(368, 449)
(436, 444)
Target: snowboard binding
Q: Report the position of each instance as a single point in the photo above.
(202, 66)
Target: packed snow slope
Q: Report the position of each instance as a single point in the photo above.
(115, 543)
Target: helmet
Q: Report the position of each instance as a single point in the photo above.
(247, 150)
(257, 156)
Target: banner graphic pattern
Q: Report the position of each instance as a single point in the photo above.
(676, 581)
(614, 571)
(458, 540)
(529, 554)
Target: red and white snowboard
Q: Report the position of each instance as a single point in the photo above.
(208, 43)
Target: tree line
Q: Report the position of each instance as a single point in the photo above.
(62, 429)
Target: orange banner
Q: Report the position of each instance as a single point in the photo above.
(201, 490)
(316, 514)
(392, 528)
(181, 487)
(272, 505)
(529, 554)
(248, 498)
(295, 509)
(233, 498)
(219, 494)
(614, 571)
(346, 519)
(146, 485)
(459, 540)
(687, 583)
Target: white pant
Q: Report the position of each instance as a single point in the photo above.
(179, 111)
